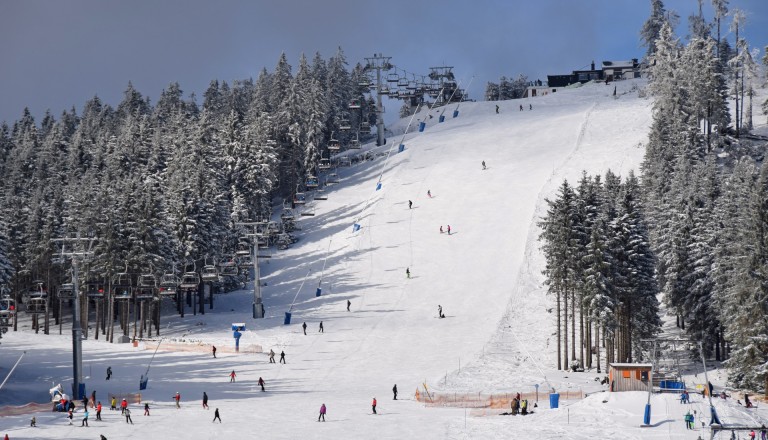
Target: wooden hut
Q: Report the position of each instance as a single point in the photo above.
(630, 377)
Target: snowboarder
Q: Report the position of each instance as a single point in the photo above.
(85, 418)
(394, 391)
(449, 229)
(216, 416)
(33, 422)
(349, 303)
(98, 411)
(322, 413)
(373, 405)
(213, 349)
(232, 376)
(497, 109)
(440, 311)
(304, 326)
(484, 165)
(282, 356)
(128, 418)
(407, 272)
(261, 384)
(205, 400)
(429, 194)
(123, 406)
(109, 372)
(177, 398)
(410, 203)
(321, 329)
(272, 352)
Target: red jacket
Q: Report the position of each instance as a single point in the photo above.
(374, 402)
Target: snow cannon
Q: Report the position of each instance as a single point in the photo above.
(422, 126)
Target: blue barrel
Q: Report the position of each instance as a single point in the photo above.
(455, 113)
(378, 186)
(401, 148)
(318, 292)
(422, 126)
(441, 118)
(554, 400)
(287, 319)
(355, 227)
(647, 414)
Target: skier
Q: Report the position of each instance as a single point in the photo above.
(232, 376)
(521, 107)
(440, 311)
(429, 194)
(407, 272)
(216, 416)
(322, 413)
(349, 303)
(449, 229)
(93, 399)
(373, 405)
(33, 422)
(214, 351)
(497, 109)
(85, 418)
(394, 391)
(688, 419)
(752, 435)
(272, 352)
(441, 229)
(524, 407)
(113, 406)
(146, 409)
(282, 356)
(530, 106)
(205, 400)
(109, 372)
(483, 164)
(128, 416)
(177, 398)
(321, 330)
(123, 406)
(98, 411)
(410, 203)
(304, 326)
(261, 384)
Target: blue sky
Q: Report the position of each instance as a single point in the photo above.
(56, 54)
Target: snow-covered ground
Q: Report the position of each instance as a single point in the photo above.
(486, 275)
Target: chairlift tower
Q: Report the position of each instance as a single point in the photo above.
(258, 305)
(77, 250)
(379, 63)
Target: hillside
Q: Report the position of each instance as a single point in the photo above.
(486, 275)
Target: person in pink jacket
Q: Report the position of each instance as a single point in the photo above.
(322, 413)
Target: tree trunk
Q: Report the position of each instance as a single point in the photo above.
(565, 330)
(559, 342)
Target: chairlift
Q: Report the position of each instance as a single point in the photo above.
(246, 261)
(321, 195)
(384, 90)
(37, 290)
(308, 211)
(365, 82)
(7, 307)
(354, 144)
(287, 214)
(229, 269)
(325, 164)
(145, 293)
(411, 85)
(393, 77)
(334, 145)
(122, 285)
(66, 291)
(311, 182)
(402, 82)
(365, 127)
(169, 283)
(299, 198)
(147, 280)
(344, 161)
(344, 124)
(355, 103)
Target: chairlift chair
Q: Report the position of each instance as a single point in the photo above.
(299, 198)
(36, 305)
(334, 144)
(325, 164)
(333, 178)
(189, 280)
(308, 211)
(7, 307)
(246, 261)
(354, 104)
(365, 127)
(209, 273)
(311, 182)
(147, 280)
(169, 282)
(384, 90)
(287, 214)
(229, 269)
(66, 291)
(122, 286)
(344, 125)
(365, 82)
(145, 293)
(393, 77)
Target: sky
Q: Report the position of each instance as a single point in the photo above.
(58, 54)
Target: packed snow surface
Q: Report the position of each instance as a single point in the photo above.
(497, 335)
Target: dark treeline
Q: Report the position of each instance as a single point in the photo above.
(704, 198)
(164, 184)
